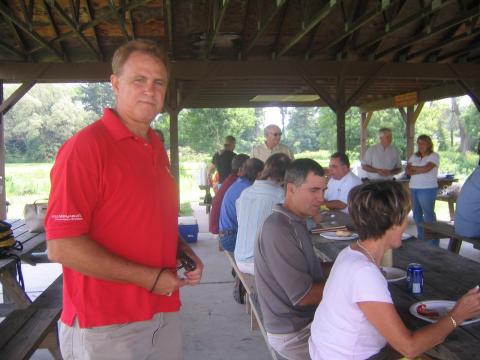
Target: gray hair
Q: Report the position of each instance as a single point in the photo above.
(299, 169)
(269, 128)
(384, 131)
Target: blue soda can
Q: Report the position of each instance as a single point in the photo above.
(415, 278)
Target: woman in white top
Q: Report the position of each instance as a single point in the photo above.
(423, 170)
(356, 317)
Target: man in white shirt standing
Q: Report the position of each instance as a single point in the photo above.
(382, 161)
(271, 145)
(341, 181)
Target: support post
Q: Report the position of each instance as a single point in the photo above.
(3, 196)
(174, 155)
(341, 144)
(410, 117)
(365, 119)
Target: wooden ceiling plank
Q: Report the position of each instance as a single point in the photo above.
(4, 10)
(263, 27)
(199, 84)
(90, 14)
(120, 15)
(75, 10)
(364, 86)
(27, 15)
(465, 51)
(438, 29)
(359, 8)
(391, 29)
(316, 19)
(48, 10)
(13, 51)
(17, 35)
(132, 24)
(216, 28)
(70, 24)
(442, 44)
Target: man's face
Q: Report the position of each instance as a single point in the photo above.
(140, 88)
(273, 136)
(308, 197)
(337, 169)
(229, 145)
(386, 139)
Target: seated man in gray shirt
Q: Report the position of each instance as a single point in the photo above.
(288, 275)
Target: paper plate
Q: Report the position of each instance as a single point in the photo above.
(393, 274)
(442, 307)
(331, 235)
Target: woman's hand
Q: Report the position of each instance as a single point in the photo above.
(467, 307)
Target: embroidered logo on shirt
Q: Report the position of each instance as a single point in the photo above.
(67, 217)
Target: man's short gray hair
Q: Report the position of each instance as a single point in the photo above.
(384, 131)
(270, 128)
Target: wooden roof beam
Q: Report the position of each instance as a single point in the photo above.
(120, 15)
(5, 11)
(75, 10)
(217, 23)
(276, 43)
(169, 20)
(316, 19)
(465, 51)
(19, 54)
(132, 24)
(27, 11)
(90, 14)
(263, 27)
(17, 36)
(326, 98)
(364, 86)
(390, 29)
(467, 15)
(54, 27)
(473, 92)
(69, 22)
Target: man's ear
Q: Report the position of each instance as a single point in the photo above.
(291, 188)
(115, 83)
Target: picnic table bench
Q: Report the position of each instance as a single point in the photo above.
(442, 229)
(25, 330)
(251, 303)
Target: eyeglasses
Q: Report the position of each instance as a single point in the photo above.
(186, 262)
(276, 134)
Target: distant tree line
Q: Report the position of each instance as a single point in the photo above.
(49, 114)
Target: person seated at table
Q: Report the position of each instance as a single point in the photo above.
(356, 317)
(254, 205)
(228, 213)
(237, 170)
(341, 181)
(288, 275)
(423, 170)
(467, 213)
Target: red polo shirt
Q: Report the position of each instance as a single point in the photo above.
(116, 188)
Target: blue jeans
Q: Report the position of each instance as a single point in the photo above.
(424, 209)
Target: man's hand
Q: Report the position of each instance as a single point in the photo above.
(384, 172)
(167, 283)
(194, 277)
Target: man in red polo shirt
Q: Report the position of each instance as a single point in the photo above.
(112, 224)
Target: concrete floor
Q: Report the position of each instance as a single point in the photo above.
(214, 325)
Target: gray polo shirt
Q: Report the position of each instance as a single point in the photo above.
(285, 269)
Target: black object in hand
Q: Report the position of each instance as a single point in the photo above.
(187, 262)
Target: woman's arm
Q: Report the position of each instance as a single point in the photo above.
(415, 170)
(410, 344)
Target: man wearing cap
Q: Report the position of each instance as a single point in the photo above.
(112, 223)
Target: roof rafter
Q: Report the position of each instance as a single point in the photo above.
(17, 35)
(4, 10)
(358, 8)
(440, 28)
(75, 10)
(217, 23)
(316, 19)
(279, 31)
(69, 22)
(54, 27)
(13, 51)
(390, 29)
(263, 26)
(324, 95)
(120, 15)
(91, 14)
(475, 44)
(169, 21)
(370, 78)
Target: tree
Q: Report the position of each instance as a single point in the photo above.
(96, 96)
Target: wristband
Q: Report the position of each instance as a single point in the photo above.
(156, 279)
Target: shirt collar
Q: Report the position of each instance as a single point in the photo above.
(118, 130)
(283, 210)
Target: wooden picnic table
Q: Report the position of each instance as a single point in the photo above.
(447, 276)
(32, 242)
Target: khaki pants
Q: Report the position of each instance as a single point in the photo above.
(158, 338)
(293, 346)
